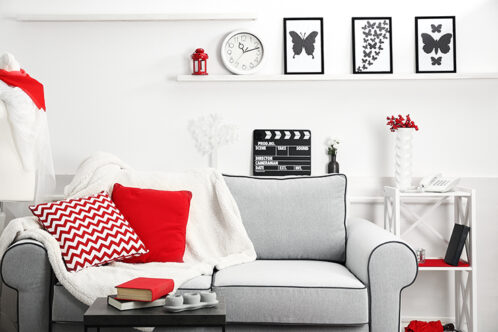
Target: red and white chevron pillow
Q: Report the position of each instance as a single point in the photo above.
(91, 231)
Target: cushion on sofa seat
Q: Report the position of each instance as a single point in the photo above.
(293, 217)
(197, 283)
(91, 231)
(66, 308)
(292, 292)
(160, 219)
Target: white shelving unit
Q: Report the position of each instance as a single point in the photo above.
(396, 206)
(91, 17)
(343, 77)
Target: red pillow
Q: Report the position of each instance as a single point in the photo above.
(90, 231)
(158, 217)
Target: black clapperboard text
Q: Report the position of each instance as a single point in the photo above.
(279, 152)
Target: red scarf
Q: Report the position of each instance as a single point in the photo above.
(26, 83)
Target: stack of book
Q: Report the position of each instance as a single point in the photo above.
(141, 293)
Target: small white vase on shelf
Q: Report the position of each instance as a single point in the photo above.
(403, 158)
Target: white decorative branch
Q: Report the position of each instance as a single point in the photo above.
(209, 134)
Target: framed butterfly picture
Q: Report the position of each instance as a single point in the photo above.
(435, 44)
(372, 45)
(303, 45)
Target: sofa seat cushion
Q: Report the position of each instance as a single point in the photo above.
(292, 292)
(293, 217)
(66, 308)
(197, 283)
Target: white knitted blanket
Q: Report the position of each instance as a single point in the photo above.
(216, 236)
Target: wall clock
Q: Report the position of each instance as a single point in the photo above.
(242, 52)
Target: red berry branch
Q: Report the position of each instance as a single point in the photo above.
(400, 122)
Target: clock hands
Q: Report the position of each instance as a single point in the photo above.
(245, 50)
(252, 49)
(242, 47)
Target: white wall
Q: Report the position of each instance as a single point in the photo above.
(111, 86)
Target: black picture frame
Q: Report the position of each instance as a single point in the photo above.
(417, 60)
(354, 39)
(321, 39)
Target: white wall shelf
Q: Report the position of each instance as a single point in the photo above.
(346, 77)
(239, 16)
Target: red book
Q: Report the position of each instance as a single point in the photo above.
(144, 289)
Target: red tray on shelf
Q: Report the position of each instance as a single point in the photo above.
(439, 262)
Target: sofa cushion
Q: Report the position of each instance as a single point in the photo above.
(293, 217)
(66, 308)
(90, 231)
(197, 283)
(160, 219)
(292, 292)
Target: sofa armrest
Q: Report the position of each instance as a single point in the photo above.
(386, 265)
(26, 269)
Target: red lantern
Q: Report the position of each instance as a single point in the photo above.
(199, 65)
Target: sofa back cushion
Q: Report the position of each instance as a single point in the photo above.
(293, 217)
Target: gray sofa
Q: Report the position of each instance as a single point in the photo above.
(316, 269)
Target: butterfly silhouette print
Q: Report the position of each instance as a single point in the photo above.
(301, 42)
(370, 25)
(442, 44)
(436, 28)
(374, 35)
(436, 61)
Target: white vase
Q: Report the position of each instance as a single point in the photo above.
(403, 158)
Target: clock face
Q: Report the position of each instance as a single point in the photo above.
(242, 52)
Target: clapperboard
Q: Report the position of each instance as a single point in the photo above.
(279, 152)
